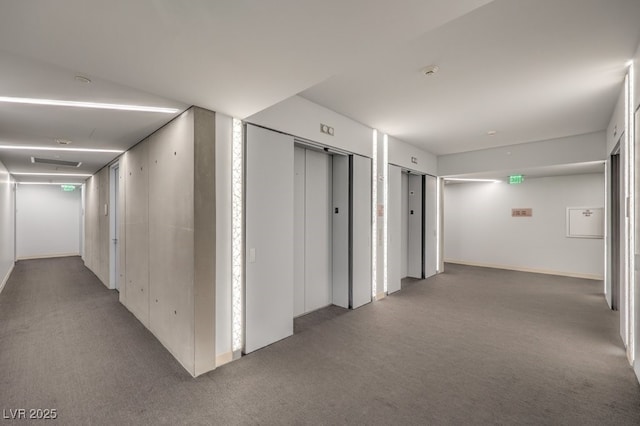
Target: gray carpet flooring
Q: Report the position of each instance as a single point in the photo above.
(471, 346)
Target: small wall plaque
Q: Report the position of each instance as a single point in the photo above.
(521, 212)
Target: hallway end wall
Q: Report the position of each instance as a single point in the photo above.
(480, 230)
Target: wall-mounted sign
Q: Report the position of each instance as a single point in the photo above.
(521, 212)
(68, 188)
(516, 179)
(585, 222)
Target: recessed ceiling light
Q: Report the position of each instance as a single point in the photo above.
(48, 183)
(51, 148)
(492, 132)
(430, 70)
(94, 105)
(63, 141)
(82, 79)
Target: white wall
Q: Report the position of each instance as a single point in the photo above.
(569, 150)
(47, 221)
(302, 118)
(479, 228)
(403, 154)
(7, 225)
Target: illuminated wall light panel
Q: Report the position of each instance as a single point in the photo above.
(630, 130)
(374, 214)
(237, 236)
(385, 176)
(438, 207)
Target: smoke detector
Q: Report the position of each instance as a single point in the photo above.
(430, 70)
(82, 79)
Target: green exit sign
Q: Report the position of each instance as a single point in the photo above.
(68, 188)
(515, 179)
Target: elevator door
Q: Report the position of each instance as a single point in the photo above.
(415, 222)
(312, 230)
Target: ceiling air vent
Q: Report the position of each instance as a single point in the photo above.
(36, 160)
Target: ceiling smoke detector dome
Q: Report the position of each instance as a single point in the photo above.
(82, 79)
(430, 70)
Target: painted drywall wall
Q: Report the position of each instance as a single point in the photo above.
(46, 210)
(479, 228)
(302, 118)
(169, 222)
(410, 157)
(569, 150)
(7, 225)
(615, 129)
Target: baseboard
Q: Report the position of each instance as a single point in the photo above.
(6, 277)
(48, 256)
(381, 295)
(224, 358)
(523, 269)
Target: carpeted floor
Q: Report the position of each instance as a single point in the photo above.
(471, 346)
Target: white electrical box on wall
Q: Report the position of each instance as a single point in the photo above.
(585, 222)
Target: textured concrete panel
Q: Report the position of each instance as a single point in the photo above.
(137, 232)
(171, 159)
(102, 261)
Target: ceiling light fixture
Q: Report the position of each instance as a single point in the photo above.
(471, 180)
(492, 132)
(49, 183)
(94, 105)
(51, 174)
(63, 141)
(50, 148)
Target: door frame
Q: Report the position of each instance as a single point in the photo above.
(114, 248)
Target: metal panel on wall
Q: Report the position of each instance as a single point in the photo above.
(430, 226)
(269, 237)
(394, 229)
(360, 231)
(415, 223)
(340, 229)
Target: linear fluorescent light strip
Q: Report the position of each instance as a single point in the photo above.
(374, 220)
(93, 105)
(237, 238)
(49, 148)
(471, 180)
(51, 174)
(385, 183)
(49, 183)
(438, 207)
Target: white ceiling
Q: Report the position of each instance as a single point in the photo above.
(530, 69)
(537, 172)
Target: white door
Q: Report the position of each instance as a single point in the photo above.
(269, 237)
